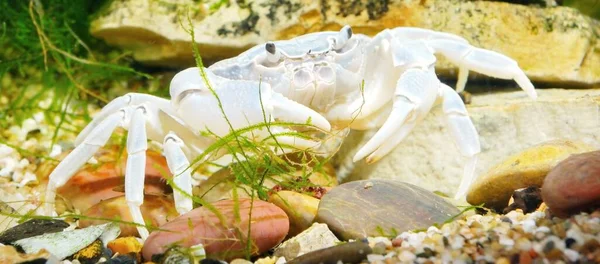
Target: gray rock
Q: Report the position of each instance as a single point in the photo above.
(365, 208)
(316, 237)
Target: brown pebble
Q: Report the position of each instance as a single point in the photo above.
(396, 242)
(524, 258)
(503, 261)
(554, 254)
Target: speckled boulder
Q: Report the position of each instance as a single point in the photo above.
(157, 211)
(573, 185)
(359, 209)
(527, 168)
(223, 234)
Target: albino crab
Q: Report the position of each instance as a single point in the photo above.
(326, 77)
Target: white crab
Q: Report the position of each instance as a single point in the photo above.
(349, 80)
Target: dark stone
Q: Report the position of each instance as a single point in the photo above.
(174, 255)
(526, 199)
(378, 207)
(35, 261)
(210, 261)
(569, 242)
(352, 252)
(122, 259)
(31, 228)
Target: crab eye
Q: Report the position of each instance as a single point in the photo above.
(273, 54)
(342, 37)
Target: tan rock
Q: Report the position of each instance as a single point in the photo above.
(318, 236)
(300, 208)
(507, 122)
(527, 168)
(550, 44)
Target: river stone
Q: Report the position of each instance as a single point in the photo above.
(527, 168)
(300, 208)
(573, 185)
(223, 236)
(507, 122)
(104, 180)
(156, 210)
(364, 208)
(155, 31)
(351, 252)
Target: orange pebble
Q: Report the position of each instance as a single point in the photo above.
(125, 245)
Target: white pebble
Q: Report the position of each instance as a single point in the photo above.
(375, 257)
(457, 242)
(5, 150)
(575, 233)
(8, 166)
(407, 256)
(544, 229)
(27, 178)
(280, 260)
(374, 240)
(572, 255)
(56, 150)
(528, 226)
(506, 241)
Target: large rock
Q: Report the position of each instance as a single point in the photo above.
(154, 30)
(368, 208)
(507, 123)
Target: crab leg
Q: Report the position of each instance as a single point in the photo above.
(135, 170)
(483, 61)
(96, 138)
(464, 133)
(112, 107)
(182, 178)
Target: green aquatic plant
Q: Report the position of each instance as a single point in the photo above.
(50, 64)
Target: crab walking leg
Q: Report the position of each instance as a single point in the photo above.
(95, 139)
(182, 178)
(483, 61)
(112, 107)
(463, 75)
(135, 171)
(464, 133)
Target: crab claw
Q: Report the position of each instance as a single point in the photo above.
(398, 124)
(291, 111)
